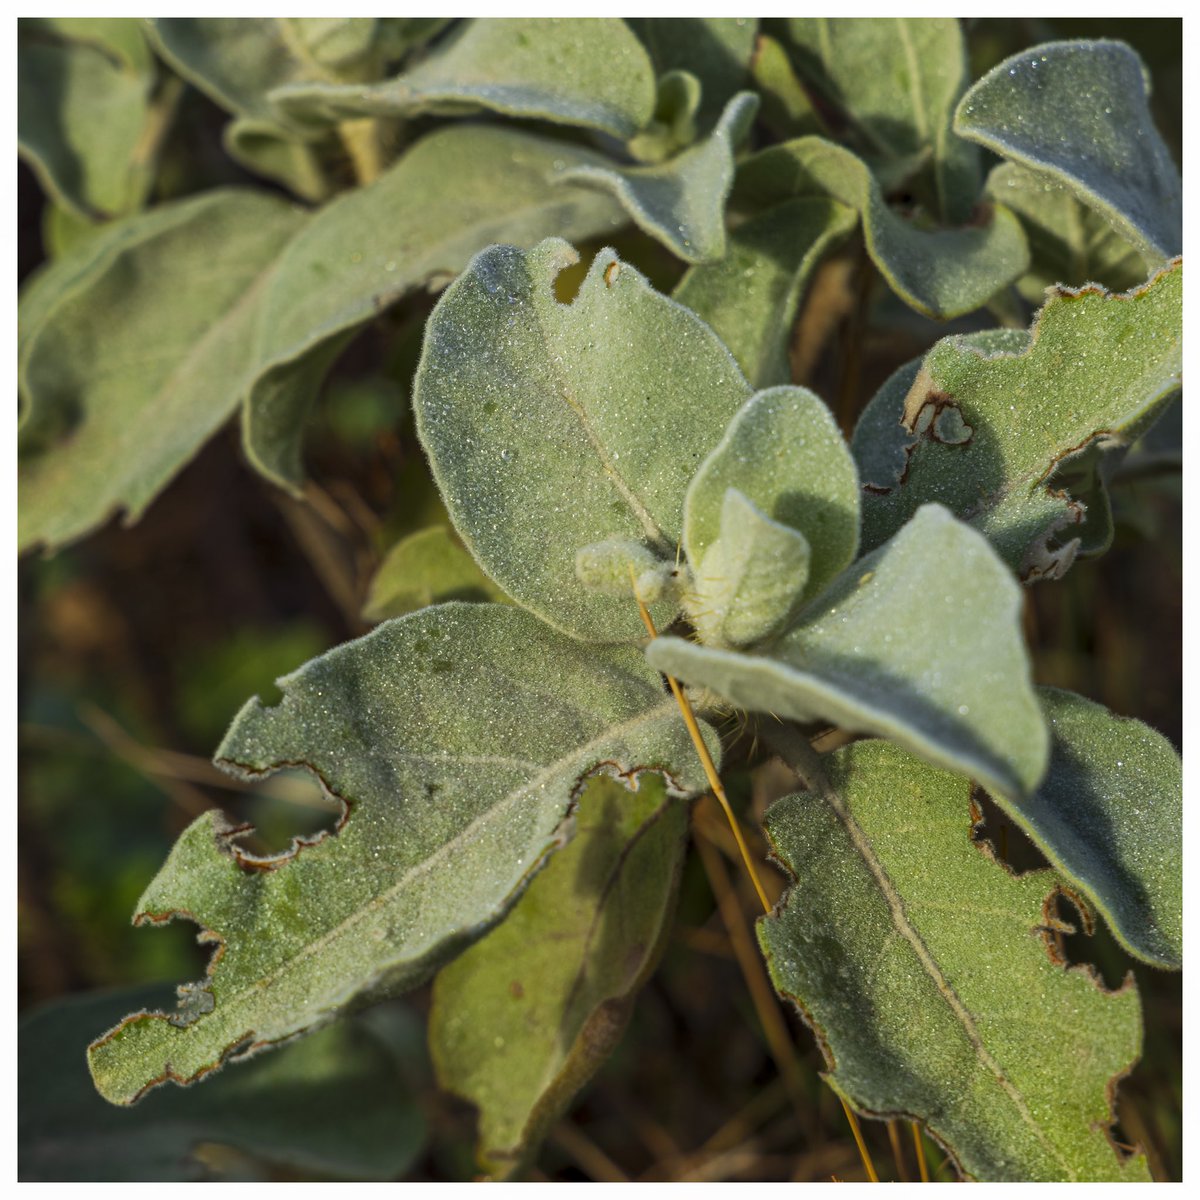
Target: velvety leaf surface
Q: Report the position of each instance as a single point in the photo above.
(276, 1109)
(84, 112)
(592, 73)
(785, 453)
(456, 739)
(524, 1018)
(983, 432)
(134, 356)
(919, 642)
(427, 567)
(930, 976)
(681, 202)
(904, 108)
(942, 273)
(1109, 815)
(751, 296)
(1077, 112)
(551, 427)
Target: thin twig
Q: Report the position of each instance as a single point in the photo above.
(919, 1142)
(594, 1162)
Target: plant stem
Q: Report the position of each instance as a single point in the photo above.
(919, 1142)
(361, 139)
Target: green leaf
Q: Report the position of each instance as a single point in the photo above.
(591, 73)
(917, 961)
(526, 1016)
(673, 125)
(919, 642)
(86, 123)
(1069, 243)
(262, 147)
(1109, 815)
(551, 427)
(1077, 112)
(785, 453)
(983, 429)
(456, 739)
(942, 273)
(427, 567)
(786, 108)
(898, 79)
(139, 343)
(681, 202)
(275, 1109)
(751, 296)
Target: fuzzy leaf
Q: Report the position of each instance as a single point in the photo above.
(139, 343)
(917, 961)
(751, 296)
(785, 453)
(84, 114)
(1077, 112)
(262, 147)
(427, 567)
(898, 79)
(526, 1016)
(275, 1110)
(551, 427)
(919, 642)
(942, 273)
(983, 431)
(456, 739)
(592, 73)
(682, 201)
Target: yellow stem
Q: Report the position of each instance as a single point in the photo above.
(922, 1165)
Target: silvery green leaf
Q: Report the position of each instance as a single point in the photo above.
(616, 564)
(919, 642)
(551, 427)
(592, 73)
(985, 430)
(784, 452)
(456, 740)
(1077, 113)
(931, 979)
(751, 296)
(673, 125)
(681, 202)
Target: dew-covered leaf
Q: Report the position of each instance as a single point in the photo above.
(1109, 815)
(274, 1110)
(984, 430)
(898, 80)
(427, 567)
(86, 120)
(592, 73)
(134, 355)
(1077, 112)
(942, 273)
(785, 453)
(456, 739)
(930, 977)
(919, 642)
(751, 296)
(551, 427)
(681, 202)
(526, 1016)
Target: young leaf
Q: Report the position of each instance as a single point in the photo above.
(919, 642)
(681, 202)
(1077, 112)
(262, 147)
(427, 567)
(524, 1018)
(784, 452)
(942, 273)
(917, 961)
(456, 739)
(590, 73)
(751, 296)
(902, 109)
(983, 431)
(1109, 815)
(275, 1109)
(551, 427)
(85, 121)
(142, 339)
